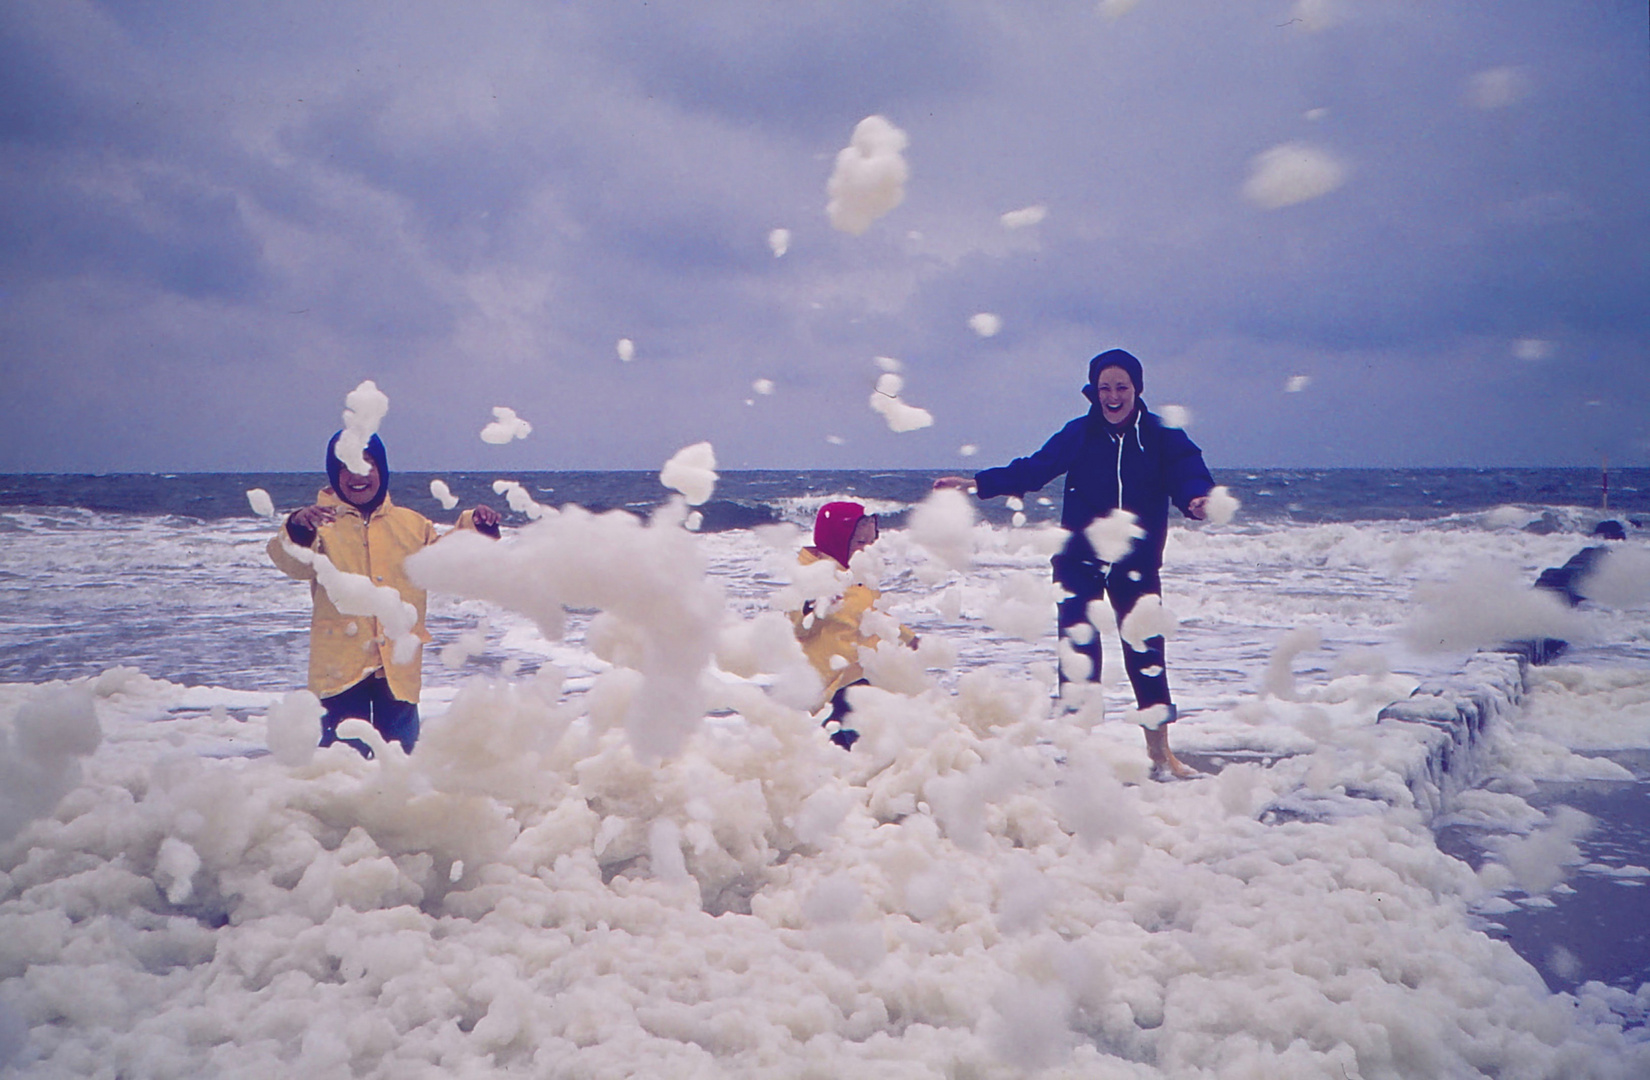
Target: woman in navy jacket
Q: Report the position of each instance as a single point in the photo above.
(1118, 455)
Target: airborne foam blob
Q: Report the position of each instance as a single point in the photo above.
(869, 179)
(692, 471)
(1024, 218)
(1147, 619)
(40, 753)
(943, 524)
(1292, 173)
(364, 409)
(1175, 416)
(627, 350)
(763, 386)
(1296, 383)
(1116, 9)
(985, 324)
(261, 503)
(506, 426)
(1222, 506)
(886, 402)
(779, 242)
(1113, 536)
(443, 494)
(356, 594)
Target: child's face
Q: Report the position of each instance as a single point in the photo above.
(865, 534)
(360, 490)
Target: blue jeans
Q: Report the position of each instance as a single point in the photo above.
(371, 700)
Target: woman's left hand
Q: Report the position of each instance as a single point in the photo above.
(1198, 508)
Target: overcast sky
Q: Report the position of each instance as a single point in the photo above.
(217, 219)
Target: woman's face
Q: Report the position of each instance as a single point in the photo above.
(1115, 390)
(865, 534)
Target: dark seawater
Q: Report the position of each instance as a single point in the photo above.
(747, 498)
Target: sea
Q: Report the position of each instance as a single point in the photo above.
(932, 903)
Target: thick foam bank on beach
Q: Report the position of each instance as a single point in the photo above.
(985, 887)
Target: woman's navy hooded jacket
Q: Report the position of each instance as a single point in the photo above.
(1142, 467)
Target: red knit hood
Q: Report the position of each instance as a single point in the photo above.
(834, 528)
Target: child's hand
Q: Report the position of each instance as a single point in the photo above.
(311, 518)
(486, 519)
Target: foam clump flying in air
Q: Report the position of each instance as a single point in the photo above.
(1486, 605)
(443, 494)
(1292, 173)
(1222, 506)
(364, 409)
(294, 728)
(356, 594)
(40, 752)
(1296, 383)
(1175, 416)
(261, 503)
(520, 500)
(1147, 619)
(1113, 536)
(692, 471)
(660, 615)
(506, 426)
(869, 178)
(763, 386)
(943, 524)
(985, 324)
(886, 402)
(1020, 219)
(1112, 10)
(779, 242)
(626, 350)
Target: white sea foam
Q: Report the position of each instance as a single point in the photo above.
(869, 178)
(505, 427)
(977, 883)
(443, 494)
(691, 471)
(364, 410)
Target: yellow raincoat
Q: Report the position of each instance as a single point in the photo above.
(837, 633)
(344, 649)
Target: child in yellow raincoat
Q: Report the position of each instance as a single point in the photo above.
(831, 634)
(352, 666)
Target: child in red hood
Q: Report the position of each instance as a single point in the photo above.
(831, 634)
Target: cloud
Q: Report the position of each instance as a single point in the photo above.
(1291, 173)
(1497, 88)
(869, 179)
(1024, 218)
(985, 324)
(1532, 349)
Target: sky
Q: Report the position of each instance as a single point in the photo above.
(1336, 232)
